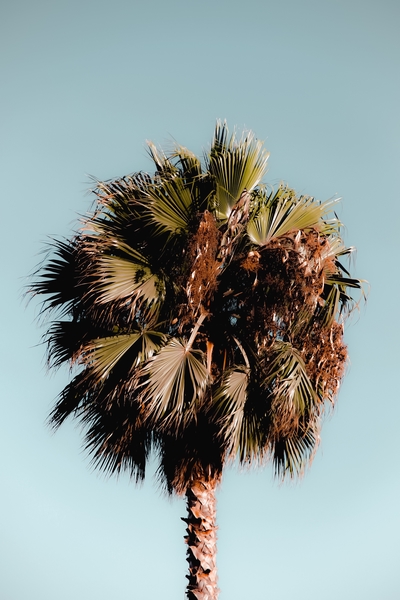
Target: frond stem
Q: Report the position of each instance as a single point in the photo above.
(195, 330)
(246, 360)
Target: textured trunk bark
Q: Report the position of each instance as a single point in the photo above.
(201, 539)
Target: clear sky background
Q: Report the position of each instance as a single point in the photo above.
(83, 85)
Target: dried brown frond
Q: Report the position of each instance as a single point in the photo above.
(202, 281)
(252, 261)
(325, 356)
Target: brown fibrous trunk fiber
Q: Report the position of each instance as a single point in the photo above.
(201, 539)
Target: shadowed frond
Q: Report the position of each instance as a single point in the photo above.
(188, 163)
(291, 455)
(65, 340)
(117, 443)
(241, 426)
(57, 279)
(71, 400)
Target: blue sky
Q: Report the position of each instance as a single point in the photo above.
(84, 84)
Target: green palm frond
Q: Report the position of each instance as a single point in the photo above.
(116, 271)
(285, 212)
(236, 165)
(118, 203)
(339, 283)
(343, 282)
(102, 354)
(177, 378)
(200, 183)
(120, 278)
(170, 205)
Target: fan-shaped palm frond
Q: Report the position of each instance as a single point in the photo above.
(230, 400)
(239, 416)
(177, 378)
(291, 455)
(102, 354)
(284, 212)
(125, 277)
(170, 205)
(236, 165)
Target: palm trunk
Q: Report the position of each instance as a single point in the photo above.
(201, 539)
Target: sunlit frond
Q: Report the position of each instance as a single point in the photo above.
(122, 278)
(230, 399)
(102, 354)
(285, 212)
(106, 352)
(164, 166)
(170, 205)
(236, 165)
(177, 378)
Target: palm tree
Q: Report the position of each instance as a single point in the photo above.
(204, 315)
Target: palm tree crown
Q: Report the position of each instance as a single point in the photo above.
(204, 313)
